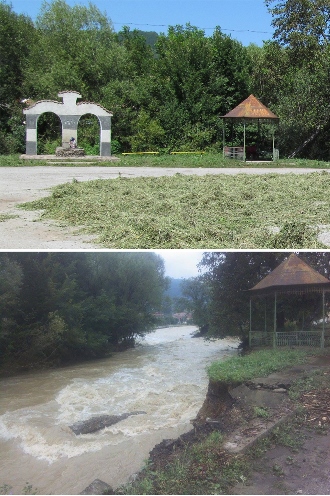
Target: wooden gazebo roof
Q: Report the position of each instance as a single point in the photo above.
(251, 108)
(292, 276)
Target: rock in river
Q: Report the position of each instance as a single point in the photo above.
(100, 422)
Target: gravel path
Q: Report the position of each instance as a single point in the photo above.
(25, 231)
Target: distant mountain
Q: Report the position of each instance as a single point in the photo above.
(150, 36)
(174, 290)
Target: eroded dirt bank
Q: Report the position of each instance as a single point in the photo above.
(301, 467)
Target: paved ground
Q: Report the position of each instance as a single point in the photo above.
(18, 185)
(303, 470)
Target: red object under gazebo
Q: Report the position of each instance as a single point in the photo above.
(251, 109)
(296, 277)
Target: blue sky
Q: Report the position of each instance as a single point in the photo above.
(247, 21)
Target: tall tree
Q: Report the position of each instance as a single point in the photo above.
(60, 307)
(231, 275)
(76, 48)
(303, 25)
(196, 292)
(17, 37)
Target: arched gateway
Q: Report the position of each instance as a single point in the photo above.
(69, 111)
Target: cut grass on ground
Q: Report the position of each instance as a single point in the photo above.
(212, 160)
(266, 211)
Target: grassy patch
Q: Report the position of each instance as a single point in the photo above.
(239, 369)
(4, 217)
(196, 212)
(316, 380)
(203, 468)
(15, 161)
(211, 160)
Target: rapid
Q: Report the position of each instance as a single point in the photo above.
(164, 376)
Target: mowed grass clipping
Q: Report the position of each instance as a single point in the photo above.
(264, 211)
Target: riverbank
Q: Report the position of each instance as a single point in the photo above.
(282, 419)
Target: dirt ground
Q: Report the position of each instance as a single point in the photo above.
(303, 470)
(299, 469)
(21, 229)
(285, 471)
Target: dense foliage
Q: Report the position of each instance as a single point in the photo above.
(60, 307)
(166, 92)
(227, 279)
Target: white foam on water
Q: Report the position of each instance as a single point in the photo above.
(168, 383)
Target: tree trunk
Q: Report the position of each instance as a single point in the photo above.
(306, 142)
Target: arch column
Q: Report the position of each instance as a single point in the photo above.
(105, 137)
(31, 134)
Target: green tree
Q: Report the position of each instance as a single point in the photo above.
(196, 292)
(303, 25)
(61, 307)
(76, 48)
(231, 275)
(197, 79)
(132, 284)
(17, 36)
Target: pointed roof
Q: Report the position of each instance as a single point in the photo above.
(251, 108)
(292, 276)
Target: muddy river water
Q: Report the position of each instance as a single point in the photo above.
(164, 376)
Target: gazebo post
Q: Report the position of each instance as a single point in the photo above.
(275, 320)
(223, 138)
(273, 143)
(244, 142)
(323, 321)
(250, 337)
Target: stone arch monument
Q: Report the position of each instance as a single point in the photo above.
(69, 112)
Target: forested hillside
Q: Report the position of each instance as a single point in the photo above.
(60, 307)
(166, 94)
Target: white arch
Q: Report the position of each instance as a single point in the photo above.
(69, 113)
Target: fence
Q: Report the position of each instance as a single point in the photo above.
(301, 338)
(236, 152)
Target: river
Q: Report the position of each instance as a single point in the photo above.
(164, 376)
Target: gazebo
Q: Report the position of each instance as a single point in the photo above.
(250, 110)
(293, 276)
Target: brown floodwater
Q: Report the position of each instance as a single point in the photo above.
(164, 376)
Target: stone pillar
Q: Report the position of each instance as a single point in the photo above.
(105, 137)
(31, 134)
(69, 129)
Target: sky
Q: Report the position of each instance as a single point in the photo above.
(247, 21)
(181, 263)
